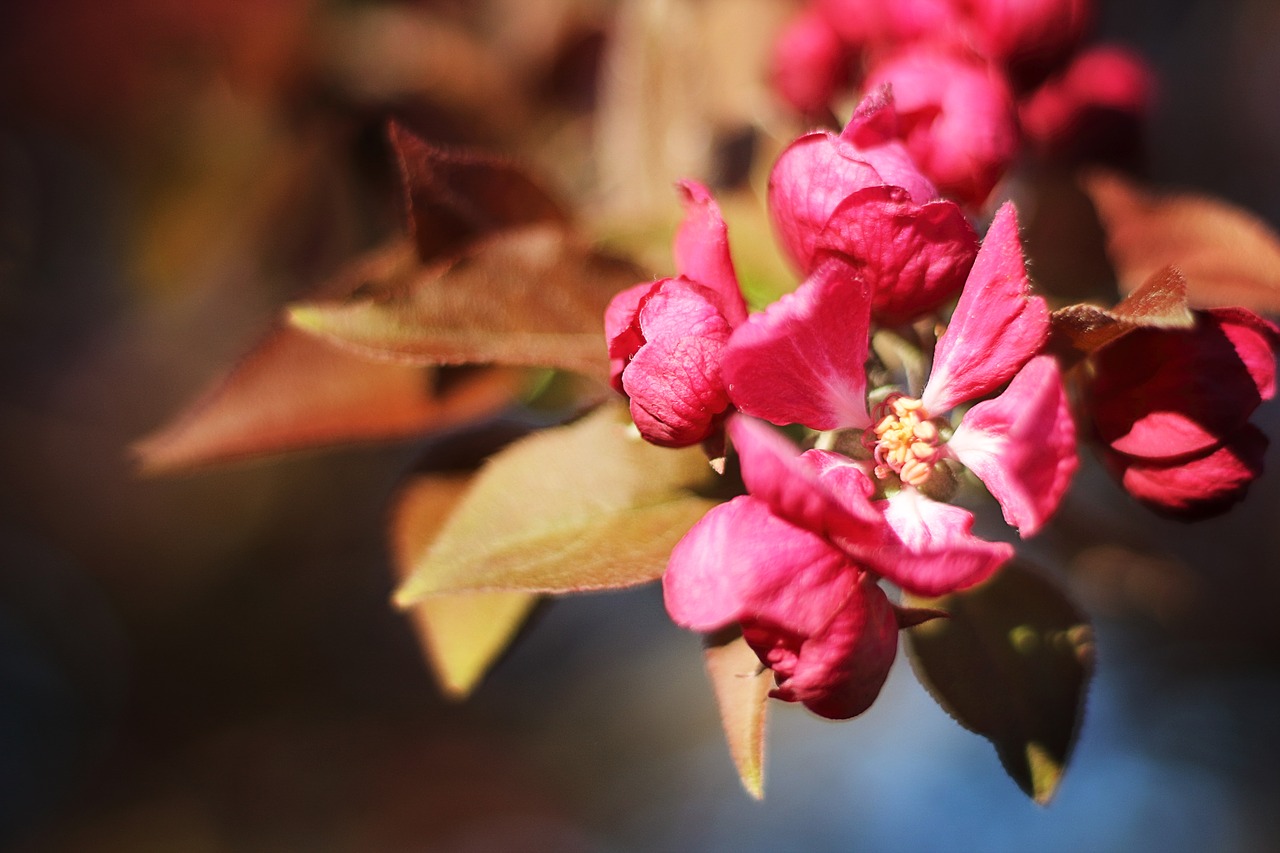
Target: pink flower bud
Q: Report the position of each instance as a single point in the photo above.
(1172, 407)
(1031, 37)
(1092, 111)
(875, 23)
(810, 64)
(956, 115)
(861, 195)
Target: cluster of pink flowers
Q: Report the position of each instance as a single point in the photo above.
(795, 562)
(973, 79)
(874, 219)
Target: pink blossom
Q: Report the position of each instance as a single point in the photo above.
(800, 361)
(666, 337)
(956, 116)
(1172, 409)
(873, 23)
(810, 64)
(1031, 37)
(795, 564)
(1093, 110)
(860, 194)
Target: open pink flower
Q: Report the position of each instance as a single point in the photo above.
(801, 361)
(666, 337)
(861, 194)
(956, 115)
(1172, 409)
(795, 564)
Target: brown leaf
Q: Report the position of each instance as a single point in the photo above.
(1161, 302)
(295, 392)
(742, 691)
(461, 635)
(1011, 664)
(1228, 255)
(453, 198)
(531, 296)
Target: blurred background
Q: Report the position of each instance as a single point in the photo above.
(210, 662)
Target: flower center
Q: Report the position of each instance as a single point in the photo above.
(903, 441)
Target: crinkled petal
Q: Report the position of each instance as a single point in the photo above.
(914, 256)
(622, 328)
(820, 491)
(673, 380)
(997, 325)
(943, 555)
(1022, 444)
(741, 561)
(819, 170)
(701, 250)
(1200, 486)
(838, 670)
(803, 359)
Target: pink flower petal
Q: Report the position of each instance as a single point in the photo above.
(838, 670)
(622, 328)
(820, 491)
(701, 250)
(803, 359)
(673, 380)
(1022, 444)
(1256, 341)
(740, 561)
(915, 257)
(1201, 486)
(944, 555)
(997, 325)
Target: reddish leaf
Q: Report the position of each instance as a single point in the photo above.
(579, 507)
(1161, 302)
(742, 691)
(1229, 256)
(294, 392)
(461, 635)
(531, 296)
(1012, 664)
(455, 197)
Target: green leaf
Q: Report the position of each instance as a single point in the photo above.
(1011, 664)
(461, 635)
(585, 506)
(742, 692)
(531, 296)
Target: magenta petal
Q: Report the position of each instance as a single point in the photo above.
(820, 491)
(673, 380)
(1200, 486)
(803, 359)
(997, 324)
(838, 670)
(914, 256)
(942, 555)
(742, 561)
(1255, 340)
(1022, 444)
(701, 250)
(622, 328)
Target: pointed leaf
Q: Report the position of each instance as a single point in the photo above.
(454, 197)
(585, 506)
(461, 635)
(742, 687)
(1228, 255)
(295, 392)
(530, 297)
(1011, 664)
(1160, 303)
